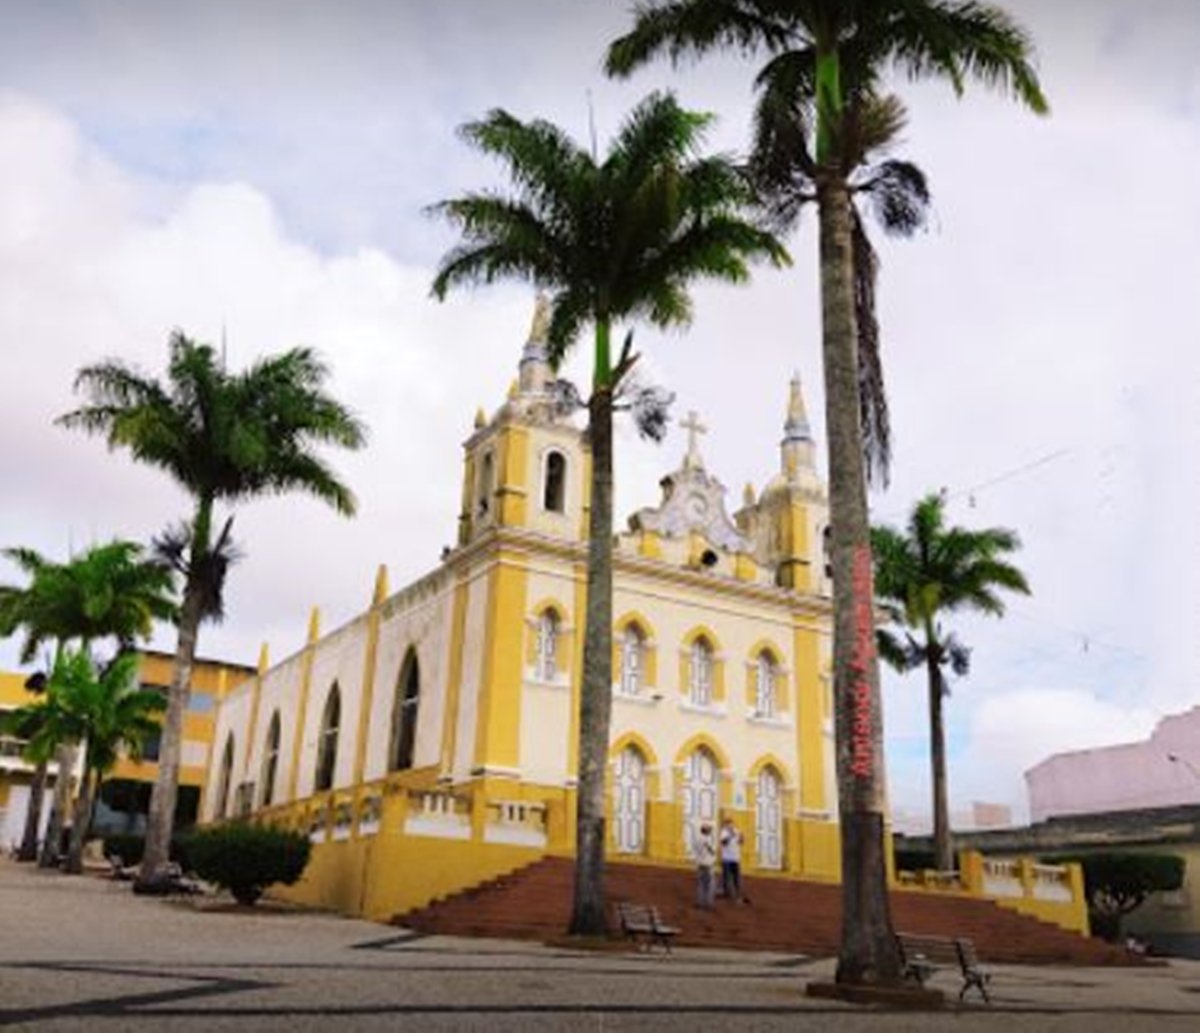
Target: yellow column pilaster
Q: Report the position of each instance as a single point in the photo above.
(514, 476)
(498, 742)
(810, 717)
(264, 661)
(310, 648)
(458, 625)
(579, 620)
(368, 679)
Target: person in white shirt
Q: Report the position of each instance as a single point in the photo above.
(706, 856)
(731, 861)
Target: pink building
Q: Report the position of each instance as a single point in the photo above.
(1161, 771)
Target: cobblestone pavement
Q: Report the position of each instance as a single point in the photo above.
(83, 953)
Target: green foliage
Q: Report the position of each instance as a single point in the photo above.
(246, 859)
(129, 847)
(913, 860)
(620, 238)
(1117, 883)
(109, 591)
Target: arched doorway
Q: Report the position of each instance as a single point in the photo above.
(699, 796)
(768, 819)
(629, 801)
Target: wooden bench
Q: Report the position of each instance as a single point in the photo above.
(641, 921)
(922, 956)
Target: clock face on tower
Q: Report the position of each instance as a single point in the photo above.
(696, 507)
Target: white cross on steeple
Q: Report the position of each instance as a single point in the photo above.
(694, 428)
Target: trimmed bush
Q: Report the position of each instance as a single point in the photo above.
(909, 859)
(246, 859)
(131, 846)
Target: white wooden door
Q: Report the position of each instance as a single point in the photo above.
(629, 790)
(768, 824)
(699, 797)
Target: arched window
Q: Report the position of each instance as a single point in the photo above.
(701, 688)
(404, 714)
(547, 646)
(270, 764)
(764, 685)
(633, 648)
(226, 778)
(483, 502)
(327, 745)
(554, 490)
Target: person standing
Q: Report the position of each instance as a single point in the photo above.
(731, 861)
(706, 856)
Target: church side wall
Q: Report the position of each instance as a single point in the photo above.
(337, 659)
(474, 634)
(421, 623)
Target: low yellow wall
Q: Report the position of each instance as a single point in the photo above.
(382, 876)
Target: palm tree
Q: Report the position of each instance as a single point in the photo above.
(930, 571)
(612, 240)
(223, 437)
(106, 711)
(829, 57)
(108, 591)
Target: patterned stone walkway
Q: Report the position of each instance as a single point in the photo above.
(83, 953)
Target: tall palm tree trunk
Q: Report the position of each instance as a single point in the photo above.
(943, 845)
(160, 822)
(33, 815)
(868, 949)
(588, 915)
(64, 759)
(81, 824)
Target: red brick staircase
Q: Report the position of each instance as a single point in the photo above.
(784, 915)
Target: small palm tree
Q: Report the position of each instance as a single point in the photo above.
(106, 711)
(827, 60)
(108, 591)
(920, 575)
(613, 240)
(225, 438)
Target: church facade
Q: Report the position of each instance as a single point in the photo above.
(431, 742)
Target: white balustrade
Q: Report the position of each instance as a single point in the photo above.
(1051, 882)
(516, 822)
(1002, 878)
(441, 815)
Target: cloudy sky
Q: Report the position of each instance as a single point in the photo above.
(260, 168)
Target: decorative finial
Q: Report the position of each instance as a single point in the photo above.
(314, 625)
(748, 498)
(694, 428)
(513, 388)
(796, 427)
(480, 418)
(264, 659)
(539, 329)
(381, 585)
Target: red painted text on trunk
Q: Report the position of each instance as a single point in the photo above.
(862, 734)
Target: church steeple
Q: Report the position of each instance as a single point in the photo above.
(535, 372)
(797, 450)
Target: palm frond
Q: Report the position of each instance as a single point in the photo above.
(689, 28)
(899, 197)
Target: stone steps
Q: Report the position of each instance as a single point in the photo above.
(784, 915)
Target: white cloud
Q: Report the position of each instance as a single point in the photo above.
(1046, 313)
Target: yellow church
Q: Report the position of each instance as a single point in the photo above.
(430, 743)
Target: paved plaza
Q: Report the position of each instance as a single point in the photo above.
(84, 953)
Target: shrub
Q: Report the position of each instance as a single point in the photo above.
(911, 859)
(131, 846)
(246, 859)
(1117, 883)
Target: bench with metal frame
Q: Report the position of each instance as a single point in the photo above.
(643, 922)
(922, 956)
